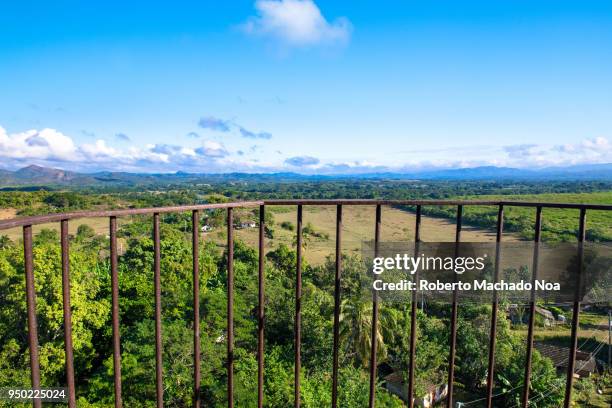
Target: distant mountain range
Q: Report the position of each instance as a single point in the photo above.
(43, 176)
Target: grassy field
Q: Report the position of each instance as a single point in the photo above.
(556, 223)
(358, 225)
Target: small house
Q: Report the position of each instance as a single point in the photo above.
(559, 355)
(521, 315)
(248, 224)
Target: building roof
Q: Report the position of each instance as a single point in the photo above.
(560, 357)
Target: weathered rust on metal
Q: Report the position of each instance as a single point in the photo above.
(115, 312)
(261, 308)
(31, 311)
(375, 202)
(159, 382)
(298, 312)
(44, 219)
(453, 322)
(337, 288)
(494, 307)
(195, 248)
(413, 313)
(373, 338)
(435, 202)
(569, 383)
(534, 274)
(230, 307)
(67, 314)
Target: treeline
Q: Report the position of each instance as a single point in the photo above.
(557, 225)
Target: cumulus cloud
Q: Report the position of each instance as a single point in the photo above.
(98, 150)
(296, 23)
(594, 150)
(301, 161)
(36, 144)
(193, 135)
(211, 148)
(50, 147)
(254, 135)
(212, 123)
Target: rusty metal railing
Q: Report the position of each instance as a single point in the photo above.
(27, 222)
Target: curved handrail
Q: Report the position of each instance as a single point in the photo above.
(44, 219)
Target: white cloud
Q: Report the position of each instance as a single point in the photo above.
(97, 150)
(35, 144)
(296, 23)
(50, 147)
(595, 150)
(211, 148)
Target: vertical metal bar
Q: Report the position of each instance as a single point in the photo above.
(67, 314)
(298, 310)
(534, 274)
(413, 313)
(494, 307)
(31, 307)
(195, 245)
(230, 307)
(261, 308)
(115, 310)
(453, 322)
(374, 343)
(158, 325)
(576, 312)
(337, 289)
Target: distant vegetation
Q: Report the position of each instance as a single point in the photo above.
(557, 224)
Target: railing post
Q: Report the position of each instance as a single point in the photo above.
(534, 274)
(453, 322)
(31, 307)
(298, 310)
(494, 307)
(67, 314)
(413, 313)
(230, 307)
(374, 343)
(195, 245)
(115, 312)
(159, 382)
(576, 312)
(261, 308)
(337, 289)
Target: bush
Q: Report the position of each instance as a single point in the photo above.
(287, 225)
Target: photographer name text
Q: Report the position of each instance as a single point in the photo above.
(476, 285)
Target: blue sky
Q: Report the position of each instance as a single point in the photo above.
(297, 85)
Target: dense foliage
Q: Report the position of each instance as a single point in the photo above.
(92, 335)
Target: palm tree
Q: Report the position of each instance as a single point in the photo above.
(356, 329)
